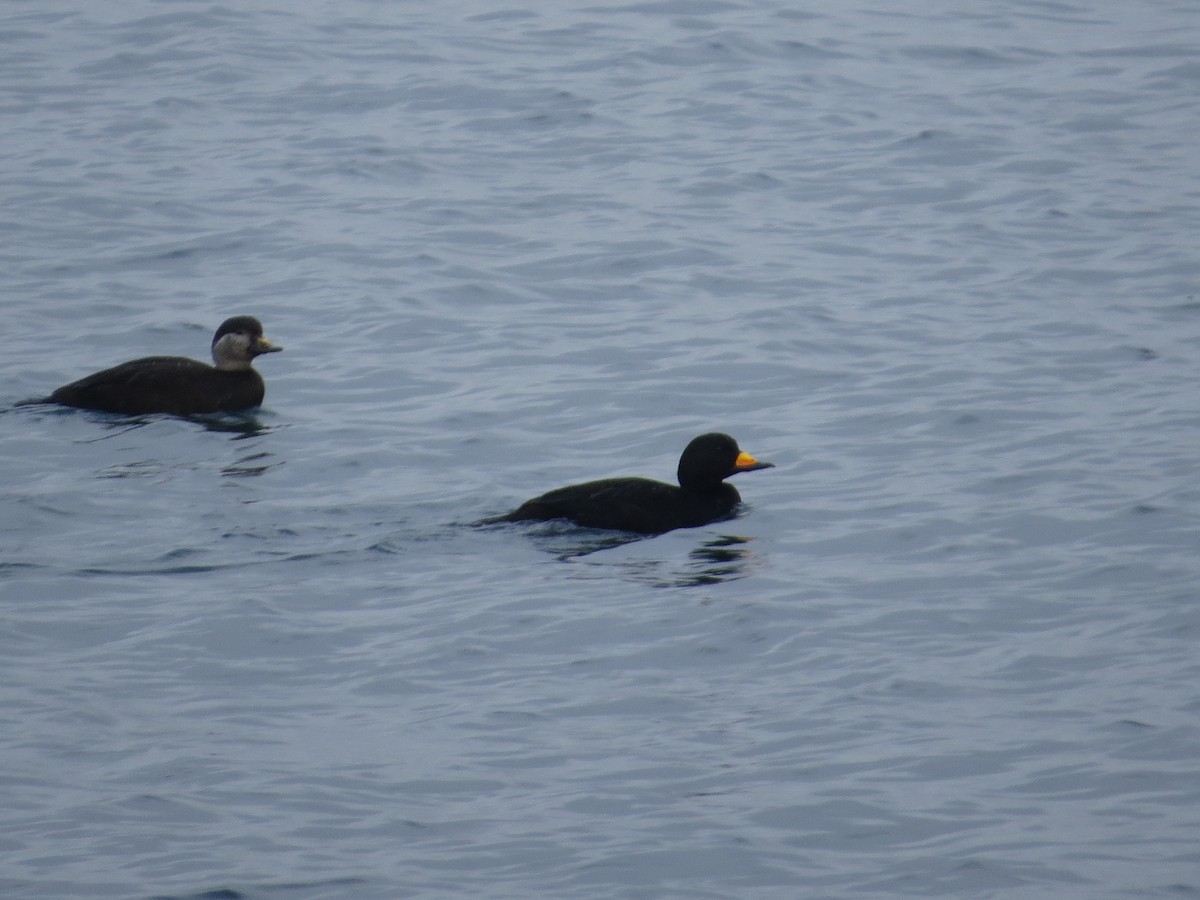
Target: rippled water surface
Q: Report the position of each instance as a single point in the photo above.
(938, 262)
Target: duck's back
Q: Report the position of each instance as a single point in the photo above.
(163, 384)
(641, 505)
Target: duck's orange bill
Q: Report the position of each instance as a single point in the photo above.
(747, 463)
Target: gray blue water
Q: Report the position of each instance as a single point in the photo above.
(936, 261)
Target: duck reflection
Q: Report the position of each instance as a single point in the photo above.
(240, 425)
(252, 465)
(719, 559)
(725, 558)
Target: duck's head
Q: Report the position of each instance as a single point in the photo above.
(711, 458)
(238, 341)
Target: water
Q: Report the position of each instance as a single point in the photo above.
(936, 262)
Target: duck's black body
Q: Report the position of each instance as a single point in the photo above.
(176, 385)
(652, 507)
(631, 504)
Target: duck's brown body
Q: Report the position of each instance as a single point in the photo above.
(164, 384)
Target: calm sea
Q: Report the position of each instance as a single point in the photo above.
(936, 261)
